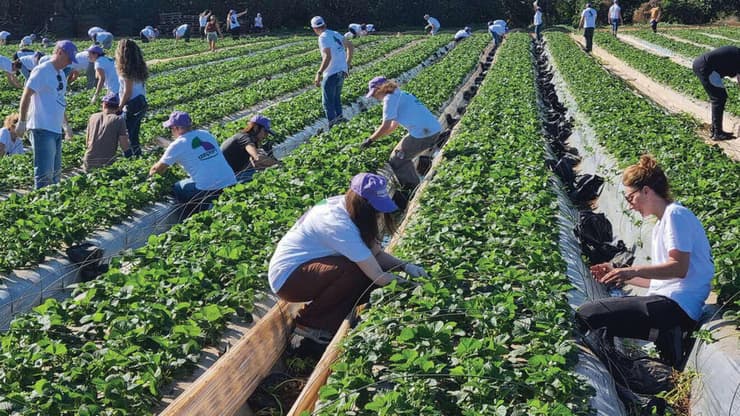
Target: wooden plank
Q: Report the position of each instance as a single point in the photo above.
(226, 386)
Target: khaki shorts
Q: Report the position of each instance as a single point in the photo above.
(212, 36)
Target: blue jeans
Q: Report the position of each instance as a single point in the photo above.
(615, 25)
(134, 114)
(193, 199)
(245, 175)
(538, 31)
(47, 157)
(496, 38)
(331, 97)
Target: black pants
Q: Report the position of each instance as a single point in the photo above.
(202, 33)
(143, 39)
(588, 33)
(639, 317)
(235, 31)
(717, 96)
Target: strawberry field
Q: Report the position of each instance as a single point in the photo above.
(490, 332)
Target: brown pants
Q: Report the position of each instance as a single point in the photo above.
(402, 158)
(333, 284)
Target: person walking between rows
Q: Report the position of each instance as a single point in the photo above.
(42, 112)
(105, 71)
(10, 142)
(615, 17)
(198, 152)
(710, 68)
(679, 278)
(655, 15)
(106, 131)
(212, 31)
(203, 18)
(6, 65)
(588, 23)
(432, 24)
(537, 21)
(336, 59)
(243, 151)
(232, 23)
(332, 256)
(132, 75)
(402, 108)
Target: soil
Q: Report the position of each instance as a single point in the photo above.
(670, 99)
(646, 46)
(676, 38)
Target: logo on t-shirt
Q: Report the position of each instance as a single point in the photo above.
(209, 149)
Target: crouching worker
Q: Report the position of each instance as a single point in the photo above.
(242, 150)
(678, 280)
(106, 131)
(197, 151)
(402, 108)
(332, 257)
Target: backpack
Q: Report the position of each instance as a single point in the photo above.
(587, 188)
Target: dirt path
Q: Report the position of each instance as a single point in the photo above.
(669, 99)
(677, 39)
(711, 35)
(655, 50)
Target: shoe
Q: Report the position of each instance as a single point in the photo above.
(670, 346)
(319, 336)
(722, 135)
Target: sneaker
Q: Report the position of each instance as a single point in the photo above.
(319, 336)
(722, 135)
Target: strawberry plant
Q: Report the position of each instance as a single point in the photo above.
(702, 177)
(697, 37)
(688, 50)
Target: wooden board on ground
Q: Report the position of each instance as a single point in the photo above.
(669, 98)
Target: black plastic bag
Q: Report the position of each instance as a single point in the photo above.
(89, 258)
(587, 188)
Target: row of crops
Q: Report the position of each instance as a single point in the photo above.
(123, 336)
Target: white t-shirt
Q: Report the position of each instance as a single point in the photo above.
(614, 12)
(83, 60)
(324, 230)
(258, 21)
(93, 30)
(6, 65)
(47, 107)
(538, 18)
(111, 77)
(104, 37)
(334, 42)
(500, 22)
(370, 27)
(356, 27)
(679, 229)
(349, 35)
(409, 112)
(461, 34)
(148, 32)
(589, 17)
(497, 29)
(138, 88)
(435, 24)
(4, 34)
(180, 31)
(202, 20)
(234, 21)
(27, 40)
(198, 152)
(11, 147)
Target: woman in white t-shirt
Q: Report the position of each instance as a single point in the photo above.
(679, 279)
(105, 71)
(332, 256)
(132, 75)
(402, 108)
(10, 142)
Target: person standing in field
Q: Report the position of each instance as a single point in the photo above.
(106, 131)
(213, 31)
(432, 24)
(132, 75)
(588, 23)
(537, 21)
(615, 17)
(336, 59)
(710, 68)
(83, 64)
(105, 72)
(232, 23)
(655, 17)
(259, 26)
(202, 21)
(182, 31)
(4, 35)
(42, 113)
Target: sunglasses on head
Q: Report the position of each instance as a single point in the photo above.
(61, 84)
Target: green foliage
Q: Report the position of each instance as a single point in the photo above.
(687, 11)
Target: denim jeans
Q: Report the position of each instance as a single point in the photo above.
(538, 31)
(135, 111)
(615, 26)
(245, 175)
(331, 97)
(47, 157)
(193, 199)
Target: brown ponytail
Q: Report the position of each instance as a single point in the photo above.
(648, 173)
(366, 218)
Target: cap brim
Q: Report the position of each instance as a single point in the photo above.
(384, 205)
(370, 93)
(167, 124)
(269, 131)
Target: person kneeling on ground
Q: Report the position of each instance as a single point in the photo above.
(710, 68)
(332, 256)
(679, 279)
(242, 150)
(106, 131)
(197, 151)
(402, 108)
(10, 142)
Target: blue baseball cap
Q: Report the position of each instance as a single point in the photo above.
(372, 187)
(68, 47)
(111, 98)
(178, 119)
(96, 50)
(374, 84)
(263, 121)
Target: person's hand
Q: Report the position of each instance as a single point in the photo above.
(93, 99)
(67, 131)
(618, 276)
(366, 143)
(20, 128)
(317, 80)
(403, 281)
(600, 270)
(414, 270)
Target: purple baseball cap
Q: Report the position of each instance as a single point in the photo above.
(111, 98)
(69, 48)
(374, 84)
(178, 119)
(96, 50)
(373, 188)
(262, 121)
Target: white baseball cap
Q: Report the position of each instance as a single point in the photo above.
(317, 21)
